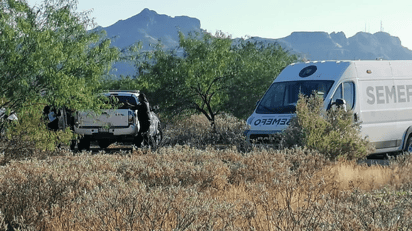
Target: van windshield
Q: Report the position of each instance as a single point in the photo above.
(281, 98)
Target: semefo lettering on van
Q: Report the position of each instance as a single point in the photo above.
(389, 94)
(272, 121)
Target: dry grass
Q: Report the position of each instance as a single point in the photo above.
(351, 175)
(184, 187)
(196, 131)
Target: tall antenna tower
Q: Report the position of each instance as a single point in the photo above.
(381, 26)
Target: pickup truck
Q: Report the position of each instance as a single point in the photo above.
(115, 125)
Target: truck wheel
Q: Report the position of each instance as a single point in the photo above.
(158, 137)
(138, 140)
(73, 144)
(84, 143)
(408, 147)
(104, 143)
(155, 140)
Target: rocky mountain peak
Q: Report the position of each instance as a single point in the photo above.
(149, 27)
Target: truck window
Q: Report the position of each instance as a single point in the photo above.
(127, 99)
(281, 98)
(121, 101)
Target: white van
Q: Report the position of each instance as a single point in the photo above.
(378, 92)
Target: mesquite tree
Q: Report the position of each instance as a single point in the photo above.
(211, 74)
(49, 57)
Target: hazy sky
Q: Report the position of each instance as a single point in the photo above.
(269, 18)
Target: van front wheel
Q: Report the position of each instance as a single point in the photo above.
(408, 147)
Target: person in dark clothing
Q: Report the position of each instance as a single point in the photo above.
(51, 117)
(143, 115)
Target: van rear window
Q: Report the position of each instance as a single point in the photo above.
(281, 98)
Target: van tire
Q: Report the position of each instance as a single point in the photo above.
(408, 146)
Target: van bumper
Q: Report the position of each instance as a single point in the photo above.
(263, 136)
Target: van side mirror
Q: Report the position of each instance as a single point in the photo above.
(341, 103)
(319, 94)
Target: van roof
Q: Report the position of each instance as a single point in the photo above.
(322, 70)
(334, 70)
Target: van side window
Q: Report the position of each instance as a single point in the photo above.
(347, 93)
(338, 94)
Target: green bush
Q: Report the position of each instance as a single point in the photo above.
(333, 132)
(29, 138)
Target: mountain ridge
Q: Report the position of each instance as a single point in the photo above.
(149, 28)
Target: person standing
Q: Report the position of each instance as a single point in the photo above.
(51, 117)
(143, 115)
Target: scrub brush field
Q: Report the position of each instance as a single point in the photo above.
(201, 180)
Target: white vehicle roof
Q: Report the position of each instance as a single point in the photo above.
(325, 70)
(122, 92)
(335, 70)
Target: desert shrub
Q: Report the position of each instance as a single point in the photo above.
(381, 209)
(185, 188)
(333, 132)
(196, 131)
(19, 149)
(172, 188)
